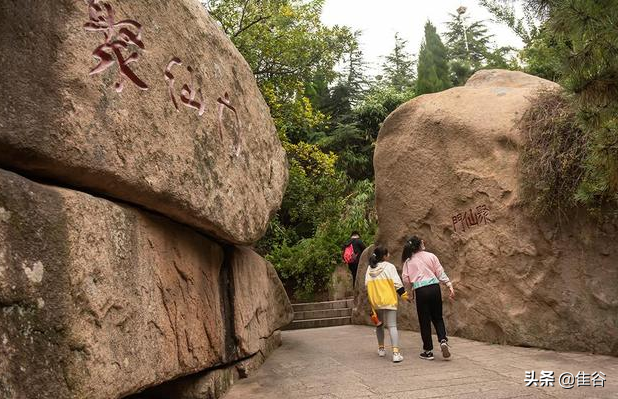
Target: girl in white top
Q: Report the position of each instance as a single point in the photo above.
(383, 285)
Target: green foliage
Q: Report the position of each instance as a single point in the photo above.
(470, 48)
(354, 70)
(286, 46)
(542, 55)
(433, 70)
(461, 70)
(553, 154)
(353, 139)
(354, 149)
(526, 27)
(306, 266)
(591, 72)
(315, 189)
(467, 40)
(379, 102)
(398, 66)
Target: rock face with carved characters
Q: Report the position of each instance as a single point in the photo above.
(446, 169)
(147, 102)
(99, 300)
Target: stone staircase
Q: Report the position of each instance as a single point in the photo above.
(321, 314)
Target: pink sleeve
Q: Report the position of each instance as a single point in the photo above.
(439, 271)
(437, 267)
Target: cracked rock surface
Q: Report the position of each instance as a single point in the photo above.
(100, 300)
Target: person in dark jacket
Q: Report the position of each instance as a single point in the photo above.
(358, 247)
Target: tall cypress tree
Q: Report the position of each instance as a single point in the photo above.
(433, 71)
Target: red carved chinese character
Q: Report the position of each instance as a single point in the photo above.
(482, 213)
(118, 36)
(224, 102)
(471, 218)
(458, 219)
(187, 93)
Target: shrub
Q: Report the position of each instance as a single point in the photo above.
(553, 154)
(307, 265)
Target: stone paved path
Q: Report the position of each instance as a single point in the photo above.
(341, 363)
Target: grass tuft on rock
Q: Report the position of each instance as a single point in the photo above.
(553, 155)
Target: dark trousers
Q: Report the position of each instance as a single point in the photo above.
(429, 310)
(353, 267)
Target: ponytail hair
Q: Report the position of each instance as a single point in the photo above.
(412, 246)
(378, 255)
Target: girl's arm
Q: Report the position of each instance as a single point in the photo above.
(441, 275)
(401, 291)
(405, 275)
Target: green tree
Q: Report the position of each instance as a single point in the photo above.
(354, 73)
(377, 104)
(398, 66)
(433, 70)
(293, 56)
(467, 40)
(470, 48)
(542, 54)
(349, 88)
(306, 266)
(588, 29)
(286, 46)
(315, 189)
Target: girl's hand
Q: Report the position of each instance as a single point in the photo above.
(451, 293)
(410, 296)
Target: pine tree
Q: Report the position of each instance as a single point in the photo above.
(433, 70)
(339, 99)
(467, 41)
(468, 46)
(591, 72)
(354, 70)
(398, 68)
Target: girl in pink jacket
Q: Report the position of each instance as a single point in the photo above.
(422, 270)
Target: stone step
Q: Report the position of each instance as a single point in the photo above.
(316, 323)
(340, 304)
(323, 314)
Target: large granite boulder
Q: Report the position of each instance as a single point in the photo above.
(261, 305)
(99, 300)
(446, 169)
(198, 146)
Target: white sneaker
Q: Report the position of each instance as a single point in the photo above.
(446, 352)
(381, 352)
(397, 357)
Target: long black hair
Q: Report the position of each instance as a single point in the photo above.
(378, 255)
(412, 246)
